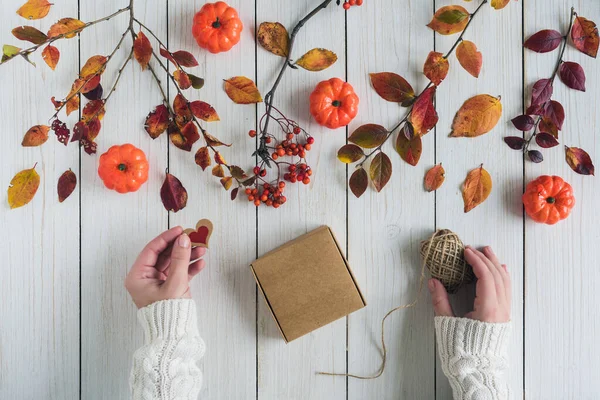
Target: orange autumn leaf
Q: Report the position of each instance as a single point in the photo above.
(73, 104)
(317, 60)
(469, 57)
(69, 27)
(434, 178)
(204, 111)
(95, 65)
(477, 188)
(93, 109)
(423, 116)
(218, 171)
(66, 185)
(242, 90)
(186, 137)
(449, 19)
(34, 9)
(142, 50)
(51, 55)
(477, 116)
(23, 187)
(157, 121)
(182, 79)
(36, 136)
(273, 37)
(499, 4)
(579, 160)
(436, 67)
(202, 158)
(585, 36)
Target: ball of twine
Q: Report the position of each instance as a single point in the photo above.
(444, 256)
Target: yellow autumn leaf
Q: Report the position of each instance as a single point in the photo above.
(477, 116)
(242, 90)
(273, 37)
(23, 187)
(477, 188)
(500, 4)
(95, 65)
(317, 60)
(69, 27)
(34, 9)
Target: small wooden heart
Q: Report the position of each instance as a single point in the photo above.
(201, 235)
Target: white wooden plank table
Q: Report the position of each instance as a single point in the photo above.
(67, 326)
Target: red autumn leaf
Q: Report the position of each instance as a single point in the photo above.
(173, 194)
(213, 141)
(572, 75)
(392, 87)
(408, 131)
(541, 92)
(204, 111)
(35, 136)
(350, 153)
(555, 112)
(585, 36)
(469, 57)
(181, 108)
(51, 55)
(423, 116)
(182, 79)
(69, 27)
(57, 103)
(434, 178)
(515, 142)
(409, 150)
(142, 50)
(34, 9)
(523, 123)
(94, 94)
(202, 158)
(61, 131)
(185, 59)
(358, 182)
(29, 34)
(369, 136)
(81, 131)
(579, 160)
(94, 128)
(186, 137)
(544, 41)
(219, 158)
(89, 146)
(66, 185)
(547, 126)
(166, 54)
(234, 193)
(535, 156)
(436, 67)
(93, 109)
(157, 121)
(380, 170)
(545, 140)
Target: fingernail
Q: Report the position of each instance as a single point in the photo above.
(431, 285)
(468, 248)
(184, 241)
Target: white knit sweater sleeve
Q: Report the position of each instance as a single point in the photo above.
(474, 357)
(165, 367)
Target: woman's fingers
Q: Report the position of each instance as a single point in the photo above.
(195, 268)
(495, 271)
(439, 299)
(150, 254)
(489, 253)
(485, 279)
(164, 260)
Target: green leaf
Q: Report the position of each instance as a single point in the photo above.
(369, 136)
(9, 52)
(452, 16)
(197, 82)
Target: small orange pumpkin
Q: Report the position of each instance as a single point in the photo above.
(548, 199)
(333, 103)
(123, 168)
(217, 27)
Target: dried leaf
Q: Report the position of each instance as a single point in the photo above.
(202, 158)
(182, 79)
(234, 193)
(173, 194)
(23, 187)
(29, 34)
(51, 55)
(204, 111)
(369, 136)
(585, 36)
(81, 131)
(545, 140)
(408, 131)
(579, 160)
(142, 50)
(219, 158)
(273, 37)
(449, 19)
(185, 59)
(9, 52)
(94, 128)
(35, 136)
(237, 172)
(423, 116)
(186, 137)
(541, 92)
(548, 126)
(242, 90)
(157, 121)
(436, 67)
(95, 94)
(66, 185)
(69, 27)
(477, 188)
(218, 171)
(73, 104)
(392, 87)
(535, 156)
(469, 57)
(350, 153)
(358, 182)
(61, 131)
(523, 123)
(572, 75)
(226, 182)
(555, 112)
(197, 83)
(34, 9)
(409, 150)
(434, 178)
(213, 141)
(499, 4)
(544, 41)
(317, 60)
(95, 65)
(181, 108)
(477, 116)
(380, 170)
(515, 142)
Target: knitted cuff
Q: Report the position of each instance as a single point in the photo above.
(169, 319)
(462, 336)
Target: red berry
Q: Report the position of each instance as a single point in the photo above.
(256, 170)
(252, 133)
(281, 152)
(263, 172)
(346, 6)
(306, 180)
(248, 191)
(289, 136)
(268, 140)
(310, 140)
(250, 198)
(274, 156)
(297, 130)
(281, 185)
(257, 202)
(276, 205)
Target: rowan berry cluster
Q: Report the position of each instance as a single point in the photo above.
(350, 3)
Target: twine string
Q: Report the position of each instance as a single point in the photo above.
(393, 310)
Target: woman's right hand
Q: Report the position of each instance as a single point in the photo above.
(493, 290)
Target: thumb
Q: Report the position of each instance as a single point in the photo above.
(177, 281)
(439, 299)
